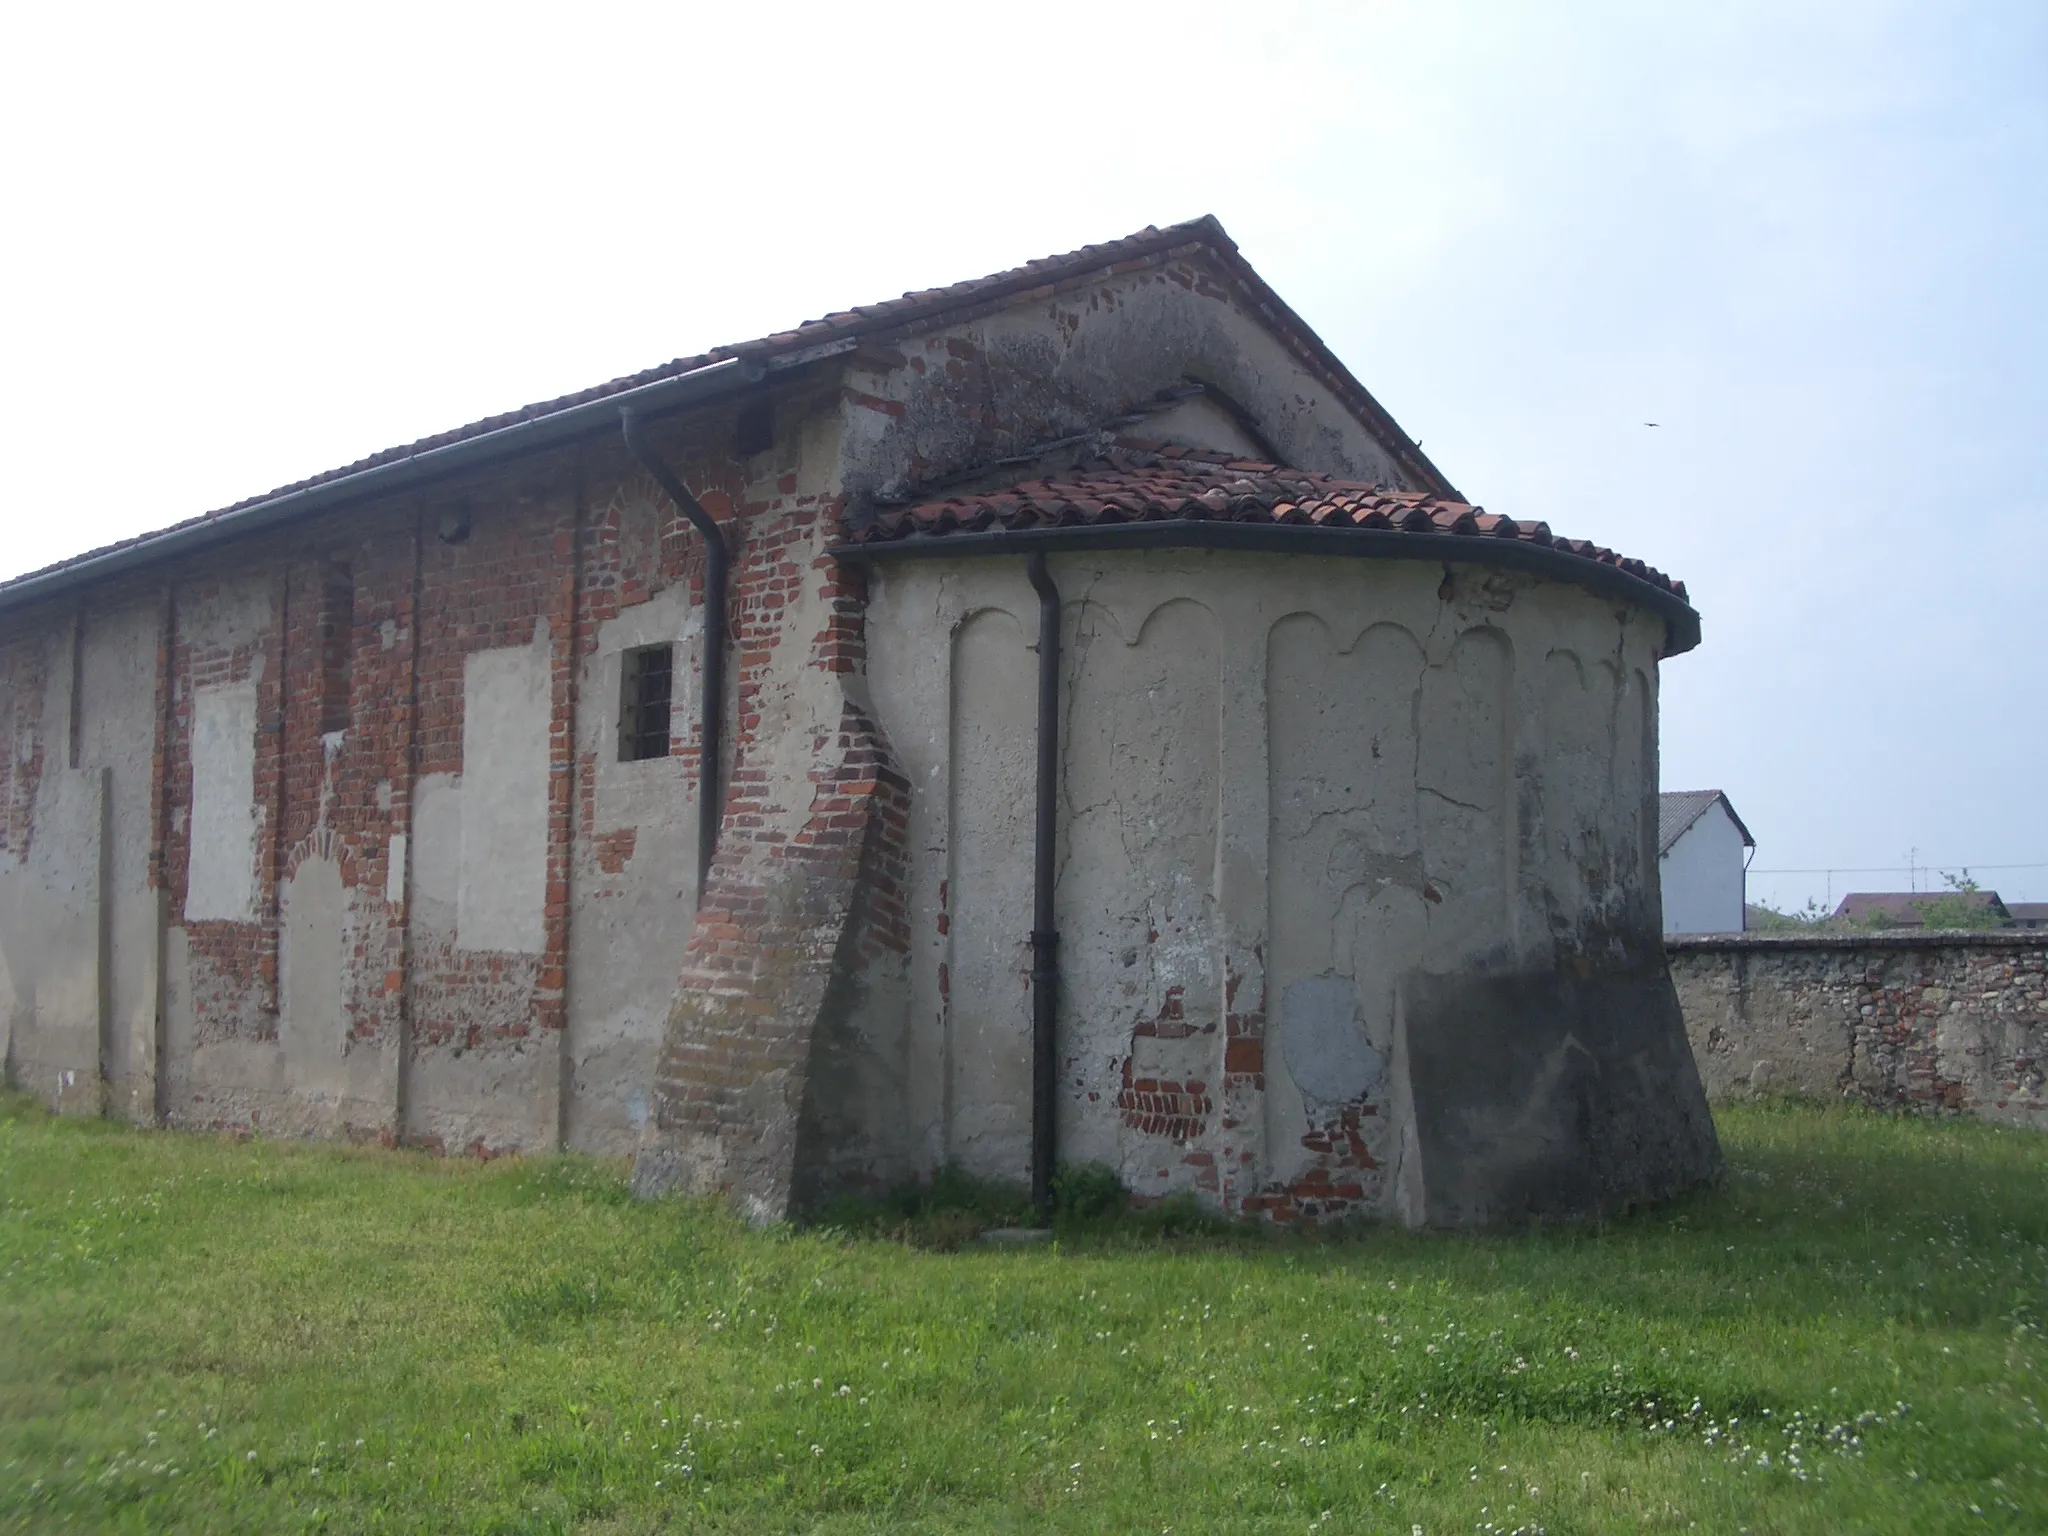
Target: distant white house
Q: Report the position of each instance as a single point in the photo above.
(1702, 859)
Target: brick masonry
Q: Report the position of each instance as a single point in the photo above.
(1931, 1022)
(354, 633)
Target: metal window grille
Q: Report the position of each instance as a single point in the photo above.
(646, 677)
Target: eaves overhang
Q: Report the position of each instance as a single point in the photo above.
(1681, 621)
(416, 469)
(685, 380)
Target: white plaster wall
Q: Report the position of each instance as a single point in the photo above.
(1141, 781)
(1288, 783)
(50, 942)
(986, 1007)
(328, 1082)
(221, 884)
(118, 735)
(53, 986)
(1199, 422)
(1703, 876)
(436, 850)
(479, 885)
(1070, 364)
(628, 928)
(1347, 877)
(501, 892)
(78, 920)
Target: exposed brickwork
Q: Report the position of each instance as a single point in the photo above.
(1161, 1107)
(780, 923)
(796, 894)
(162, 709)
(234, 964)
(613, 851)
(372, 774)
(1343, 1180)
(335, 643)
(1230, 1166)
(1154, 1106)
(355, 632)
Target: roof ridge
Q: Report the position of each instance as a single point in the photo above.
(918, 306)
(1687, 807)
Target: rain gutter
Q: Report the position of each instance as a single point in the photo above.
(414, 469)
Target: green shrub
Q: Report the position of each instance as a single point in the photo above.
(954, 1208)
(1086, 1194)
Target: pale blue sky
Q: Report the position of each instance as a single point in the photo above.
(246, 245)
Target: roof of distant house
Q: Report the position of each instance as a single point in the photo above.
(2028, 914)
(1903, 907)
(1678, 809)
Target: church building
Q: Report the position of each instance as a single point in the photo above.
(1056, 718)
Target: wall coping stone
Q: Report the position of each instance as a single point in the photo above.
(1938, 938)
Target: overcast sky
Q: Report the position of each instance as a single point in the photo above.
(1807, 240)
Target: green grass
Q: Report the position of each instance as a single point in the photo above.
(197, 1334)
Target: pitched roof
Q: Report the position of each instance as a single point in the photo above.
(1903, 907)
(838, 332)
(1678, 809)
(1131, 483)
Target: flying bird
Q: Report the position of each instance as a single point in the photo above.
(1653, 423)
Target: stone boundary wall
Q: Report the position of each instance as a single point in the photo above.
(1945, 1021)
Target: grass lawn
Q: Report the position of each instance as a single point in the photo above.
(197, 1334)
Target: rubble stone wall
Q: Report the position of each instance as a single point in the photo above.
(1926, 1021)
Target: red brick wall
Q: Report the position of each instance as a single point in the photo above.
(233, 964)
(366, 618)
(774, 963)
(803, 900)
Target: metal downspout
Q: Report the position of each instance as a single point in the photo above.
(711, 732)
(1045, 942)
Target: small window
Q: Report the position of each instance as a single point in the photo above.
(754, 431)
(645, 675)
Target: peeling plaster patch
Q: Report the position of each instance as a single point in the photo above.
(506, 704)
(221, 883)
(1324, 1043)
(394, 872)
(314, 1025)
(437, 832)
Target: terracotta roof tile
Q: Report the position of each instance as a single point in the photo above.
(1137, 481)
